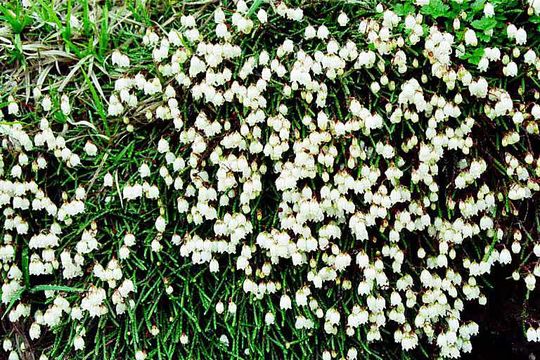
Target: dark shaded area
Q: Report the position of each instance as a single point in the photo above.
(500, 321)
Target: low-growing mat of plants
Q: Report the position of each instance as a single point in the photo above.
(267, 179)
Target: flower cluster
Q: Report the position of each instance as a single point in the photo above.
(28, 155)
(376, 158)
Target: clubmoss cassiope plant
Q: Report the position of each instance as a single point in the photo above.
(341, 185)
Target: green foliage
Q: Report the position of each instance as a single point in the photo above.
(190, 308)
(16, 16)
(436, 9)
(484, 24)
(474, 56)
